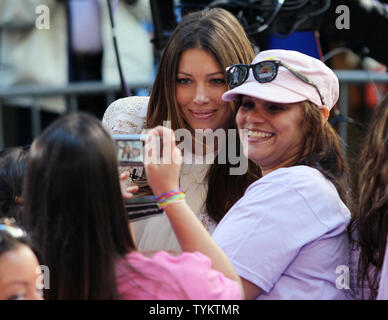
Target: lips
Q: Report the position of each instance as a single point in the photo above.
(202, 114)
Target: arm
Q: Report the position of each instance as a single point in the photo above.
(190, 232)
(251, 290)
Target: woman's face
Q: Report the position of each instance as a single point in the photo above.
(200, 85)
(274, 136)
(18, 275)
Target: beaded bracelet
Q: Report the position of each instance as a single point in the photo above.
(167, 198)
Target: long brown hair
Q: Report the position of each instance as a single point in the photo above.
(321, 150)
(218, 32)
(370, 219)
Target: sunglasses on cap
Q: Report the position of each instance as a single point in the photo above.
(264, 71)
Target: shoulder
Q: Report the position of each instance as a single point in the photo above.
(293, 176)
(305, 190)
(126, 115)
(293, 192)
(304, 181)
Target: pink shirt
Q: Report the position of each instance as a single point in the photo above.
(187, 276)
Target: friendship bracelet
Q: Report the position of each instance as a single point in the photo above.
(166, 194)
(169, 200)
(169, 197)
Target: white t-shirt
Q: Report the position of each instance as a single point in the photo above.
(287, 235)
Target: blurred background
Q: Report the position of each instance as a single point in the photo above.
(59, 56)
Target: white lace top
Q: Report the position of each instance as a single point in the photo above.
(127, 115)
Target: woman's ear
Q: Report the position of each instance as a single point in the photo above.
(325, 111)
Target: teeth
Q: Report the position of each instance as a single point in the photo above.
(259, 134)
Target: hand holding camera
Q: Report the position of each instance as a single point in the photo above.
(127, 192)
(156, 152)
(162, 166)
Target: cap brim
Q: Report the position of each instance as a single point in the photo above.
(264, 91)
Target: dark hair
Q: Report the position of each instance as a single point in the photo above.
(74, 208)
(13, 163)
(370, 220)
(218, 32)
(321, 150)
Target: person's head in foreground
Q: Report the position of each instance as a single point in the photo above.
(19, 267)
(284, 99)
(74, 209)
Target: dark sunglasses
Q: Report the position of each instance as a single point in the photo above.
(263, 72)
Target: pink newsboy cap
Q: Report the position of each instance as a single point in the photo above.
(288, 88)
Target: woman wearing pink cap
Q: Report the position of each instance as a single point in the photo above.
(287, 235)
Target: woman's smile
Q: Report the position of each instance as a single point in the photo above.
(203, 114)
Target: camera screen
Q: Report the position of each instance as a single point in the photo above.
(130, 151)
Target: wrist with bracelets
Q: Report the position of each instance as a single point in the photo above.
(169, 197)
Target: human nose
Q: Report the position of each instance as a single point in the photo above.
(201, 94)
(255, 115)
